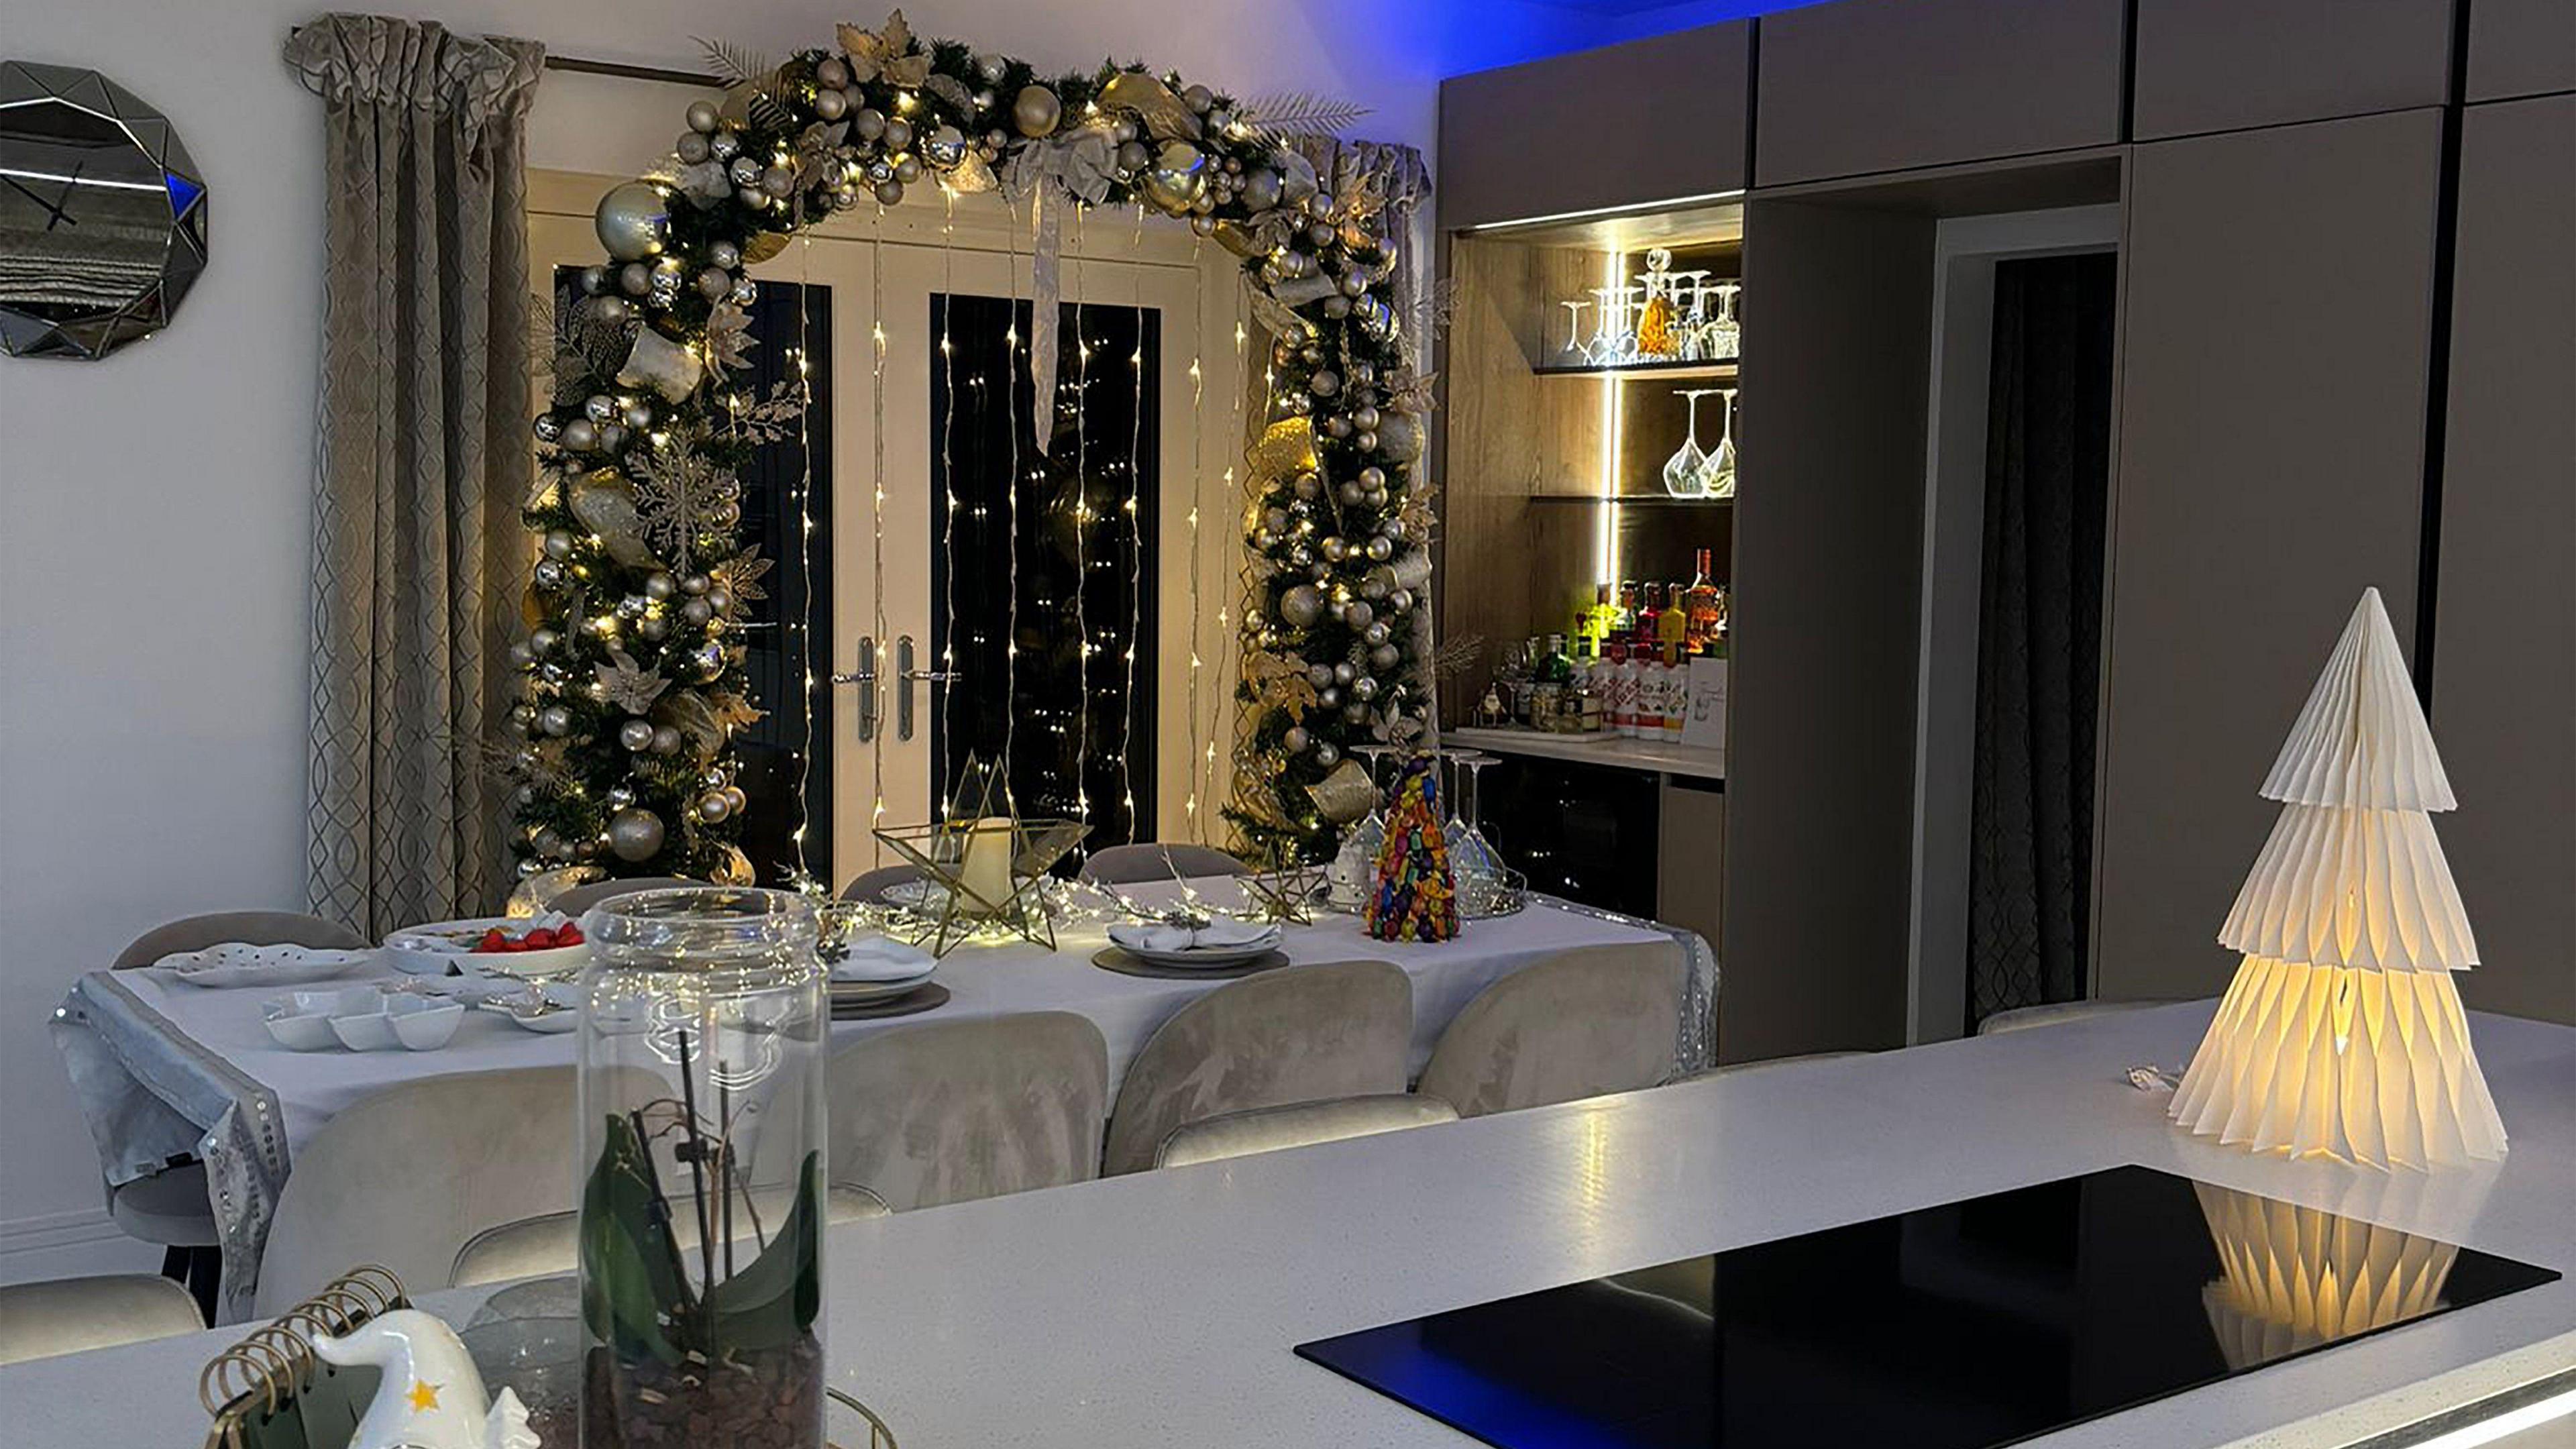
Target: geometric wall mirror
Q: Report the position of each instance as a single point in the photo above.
(102, 214)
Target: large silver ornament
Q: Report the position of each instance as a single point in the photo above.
(633, 221)
(1178, 177)
(1036, 111)
(635, 834)
(1302, 606)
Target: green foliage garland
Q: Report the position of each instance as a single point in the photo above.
(633, 683)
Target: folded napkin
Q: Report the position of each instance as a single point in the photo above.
(1220, 935)
(881, 958)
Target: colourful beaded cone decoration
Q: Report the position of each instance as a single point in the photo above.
(1416, 897)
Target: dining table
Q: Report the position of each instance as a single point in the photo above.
(1166, 1307)
(166, 1069)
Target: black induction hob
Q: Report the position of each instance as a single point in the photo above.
(1964, 1326)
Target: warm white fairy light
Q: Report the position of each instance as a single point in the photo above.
(804, 627)
(1135, 539)
(1081, 553)
(876, 398)
(947, 470)
(1011, 534)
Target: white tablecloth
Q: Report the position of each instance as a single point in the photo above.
(163, 1067)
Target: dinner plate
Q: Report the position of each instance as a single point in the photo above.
(234, 963)
(853, 992)
(1233, 953)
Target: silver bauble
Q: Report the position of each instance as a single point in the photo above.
(1337, 426)
(724, 254)
(1351, 494)
(723, 145)
(713, 808)
(1198, 98)
(720, 601)
(555, 720)
(691, 148)
(1385, 657)
(703, 116)
(1295, 740)
(830, 104)
(580, 436)
(696, 584)
(549, 428)
(546, 842)
(635, 834)
(1319, 675)
(898, 135)
(697, 612)
(637, 415)
(612, 437)
(1333, 550)
(666, 740)
(1357, 613)
(945, 148)
(1380, 549)
(714, 282)
(594, 280)
(1036, 112)
(633, 221)
(1377, 583)
(1302, 606)
(549, 575)
(1328, 697)
(658, 586)
(1367, 441)
(1364, 688)
(908, 170)
(889, 192)
(521, 656)
(745, 171)
(1178, 177)
(1345, 672)
(1374, 632)
(635, 279)
(599, 407)
(745, 291)
(636, 734)
(543, 641)
(1133, 157)
(778, 181)
(1372, 476)
(558, 543)
(618, 796)
(1260, 190)
(653, 627)
(1326, 752)
(832, 72)
(992, 67)
(1324, 383)
(612, 311)
(734, 796)
(1307, 486)
(708, 660)
(1400, 601)
(1337, 305)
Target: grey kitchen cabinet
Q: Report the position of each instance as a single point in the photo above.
(2521, 48)
(2504, 616)
(2228, 65)
(1866, 86)
(1625, 125)
(2276, 322)
(1826, 624)
(1690, 858)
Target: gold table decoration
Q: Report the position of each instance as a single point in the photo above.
(990, 861)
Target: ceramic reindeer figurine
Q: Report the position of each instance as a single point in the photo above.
(432, 1395)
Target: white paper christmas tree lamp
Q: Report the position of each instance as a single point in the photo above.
(2342, 1034)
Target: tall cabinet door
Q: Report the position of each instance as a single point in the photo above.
(2276, 324)
(2504, 619)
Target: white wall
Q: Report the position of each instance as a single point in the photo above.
(153, 512)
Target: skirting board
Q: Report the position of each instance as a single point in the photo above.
(69, 1245)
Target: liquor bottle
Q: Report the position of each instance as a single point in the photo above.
(1626, 622)
(1649, 616)
(1672, 627)
(1706, 612)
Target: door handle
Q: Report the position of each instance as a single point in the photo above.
(906, 676)
(865, 674)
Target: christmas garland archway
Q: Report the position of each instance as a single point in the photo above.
(633, 682)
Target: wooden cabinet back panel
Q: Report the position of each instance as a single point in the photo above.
(1883, 85)
(2521, 48)
(1650, 120)
(2227, 65)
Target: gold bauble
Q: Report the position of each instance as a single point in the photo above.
(1284, 448)
(1036, 111)
(1178, 177)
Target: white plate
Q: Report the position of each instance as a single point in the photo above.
(549, 1008)
(234, 963)
(1131, 939)
(432, 949)
(858, 991)
(882, 958)
(411, 1023)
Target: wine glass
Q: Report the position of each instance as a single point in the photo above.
(1348, 878)
(1474, 867)
(1685, 470)
(1726, 333)
(1574, 349)
(1605, 336)
(1690, 304)
(1718, 480)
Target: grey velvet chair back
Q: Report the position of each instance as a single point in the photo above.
(1131, 864)
(948, 1111)
(1580, 1023)
(582, 897)
(251, 928)
(70, 1315)
(1300, 1124)
(871, 886)
(406, 1177)
(1296, 1034)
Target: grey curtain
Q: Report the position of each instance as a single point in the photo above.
(2048, 459)
(424, 461)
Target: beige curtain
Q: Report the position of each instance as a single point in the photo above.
(424, 461)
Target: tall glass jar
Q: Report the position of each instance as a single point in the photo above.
(702, 1104)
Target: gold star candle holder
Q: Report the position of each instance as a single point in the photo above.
(988, 875)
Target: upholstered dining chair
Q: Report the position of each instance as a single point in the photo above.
(1580, 1023)
(406, 1177)
(2023, 1018)
(169, 1209)
(68, 1315)
(1294, 1034)
(871, 886)
(582, 897)
(1299, 1124)
(550, 1243)
(950, 1111)
(1129, 864)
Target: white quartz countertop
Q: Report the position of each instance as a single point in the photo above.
(1162, 1308)
(1618, 754)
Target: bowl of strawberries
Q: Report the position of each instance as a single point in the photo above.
(540, 948)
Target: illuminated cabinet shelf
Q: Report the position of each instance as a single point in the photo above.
(1634, 500)
(1677, 370)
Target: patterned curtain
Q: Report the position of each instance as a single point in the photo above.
(2039, 632)
(424, 461)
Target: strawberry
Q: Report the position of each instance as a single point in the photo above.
(540, 939)
(493, 940)
(570, 935)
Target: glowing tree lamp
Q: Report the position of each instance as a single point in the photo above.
(2342, 1035)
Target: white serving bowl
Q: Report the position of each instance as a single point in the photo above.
(413, 1022)
(237, 963)
(300, 1021)
(444, 948)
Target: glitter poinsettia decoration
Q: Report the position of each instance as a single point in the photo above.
(2343, 1034)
